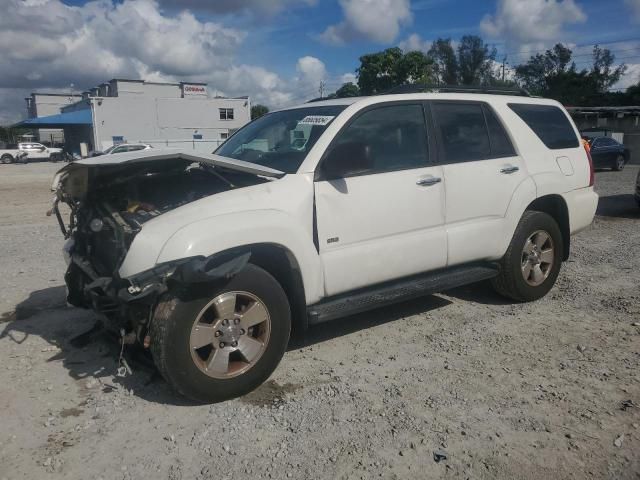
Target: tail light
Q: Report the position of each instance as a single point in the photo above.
(592, 176)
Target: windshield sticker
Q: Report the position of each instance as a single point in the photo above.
(316, 120)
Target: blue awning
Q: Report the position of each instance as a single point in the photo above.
(78, 117)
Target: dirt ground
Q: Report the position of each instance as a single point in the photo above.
(537, 391)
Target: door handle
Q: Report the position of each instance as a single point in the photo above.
(427, 182)
(509, 169)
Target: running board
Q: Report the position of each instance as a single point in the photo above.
(397, 291)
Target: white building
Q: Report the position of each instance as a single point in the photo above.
(45, 104)
(161, 114)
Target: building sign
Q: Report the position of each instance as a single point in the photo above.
(189, 90)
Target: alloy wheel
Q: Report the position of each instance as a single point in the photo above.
(538, 256)
(230, 334)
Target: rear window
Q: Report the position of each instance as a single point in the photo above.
(549, 123)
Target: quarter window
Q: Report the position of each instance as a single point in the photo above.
(549, 123)
(226, 113)
(501, 145)
(462, 131)
(396, 136)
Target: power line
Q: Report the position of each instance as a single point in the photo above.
(530, 52)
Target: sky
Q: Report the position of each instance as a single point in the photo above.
(278, 51)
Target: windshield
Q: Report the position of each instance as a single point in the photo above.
(108, 150)
(280, 140)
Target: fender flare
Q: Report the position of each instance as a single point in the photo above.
(234, 231)
(520, 200)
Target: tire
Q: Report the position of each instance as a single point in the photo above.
(183, 367)
(619, 163)
(6, 159)
(511, 281)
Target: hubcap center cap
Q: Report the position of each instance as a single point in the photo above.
(230, 333)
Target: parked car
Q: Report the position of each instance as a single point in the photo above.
(122, 148)
(37, 152)
(10, 153)
(607, 152)
(210, 260)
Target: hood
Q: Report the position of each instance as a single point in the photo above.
(159, 155)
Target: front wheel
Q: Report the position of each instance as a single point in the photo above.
(618, 165)
(6, 159)
(226, 343)
(531, 265)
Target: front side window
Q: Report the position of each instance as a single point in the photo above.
(462, 131)
(395, 137)
(226, 113)
(549, 123)
(280, 140)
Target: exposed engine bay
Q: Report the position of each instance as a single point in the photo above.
(109, 206)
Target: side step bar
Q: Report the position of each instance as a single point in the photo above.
(397, 291)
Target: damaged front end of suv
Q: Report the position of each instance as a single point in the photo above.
(109, 203)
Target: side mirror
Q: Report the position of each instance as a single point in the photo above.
(346, 160)
(42, 149)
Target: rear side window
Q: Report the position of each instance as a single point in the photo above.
(462, 131)
(549, 123)
(501, 145)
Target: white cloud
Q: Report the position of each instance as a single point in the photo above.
(631, 77)
(348, 78)
(634, 6)
(531, 22)
(376, 20)
(414, 42)
(311, 70)
(46, 44)
(231, 6)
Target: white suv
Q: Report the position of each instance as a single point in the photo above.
(317, 212)
(39, 152)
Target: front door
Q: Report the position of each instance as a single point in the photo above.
(386, 222)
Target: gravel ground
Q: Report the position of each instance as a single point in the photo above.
(497, 390)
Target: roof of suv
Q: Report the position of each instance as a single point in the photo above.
(424, 96)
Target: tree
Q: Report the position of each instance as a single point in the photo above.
(258, 110)
(535, 74)
(348, 89)
(378, 72)
(475, 61)
(445, 62)
(553, 74)
(471, 63)
(416, 67)
(381, 71)
(602, 72)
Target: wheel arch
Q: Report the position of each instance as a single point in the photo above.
(555, 206)
(282, 264)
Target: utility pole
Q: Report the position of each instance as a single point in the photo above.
(321, 89)
(504, 60)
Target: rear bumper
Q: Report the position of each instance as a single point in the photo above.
(582, 204)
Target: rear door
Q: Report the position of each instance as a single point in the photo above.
(386, 222)
(481, 172)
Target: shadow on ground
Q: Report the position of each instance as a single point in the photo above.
(618, 206)
(87, 349)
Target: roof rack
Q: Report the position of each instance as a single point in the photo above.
(422, 88)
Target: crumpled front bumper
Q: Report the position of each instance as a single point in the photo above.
(87, 289)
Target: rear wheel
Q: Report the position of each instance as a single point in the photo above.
(6, 159)
(618, 165)
(225, 344)
(531, 265)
